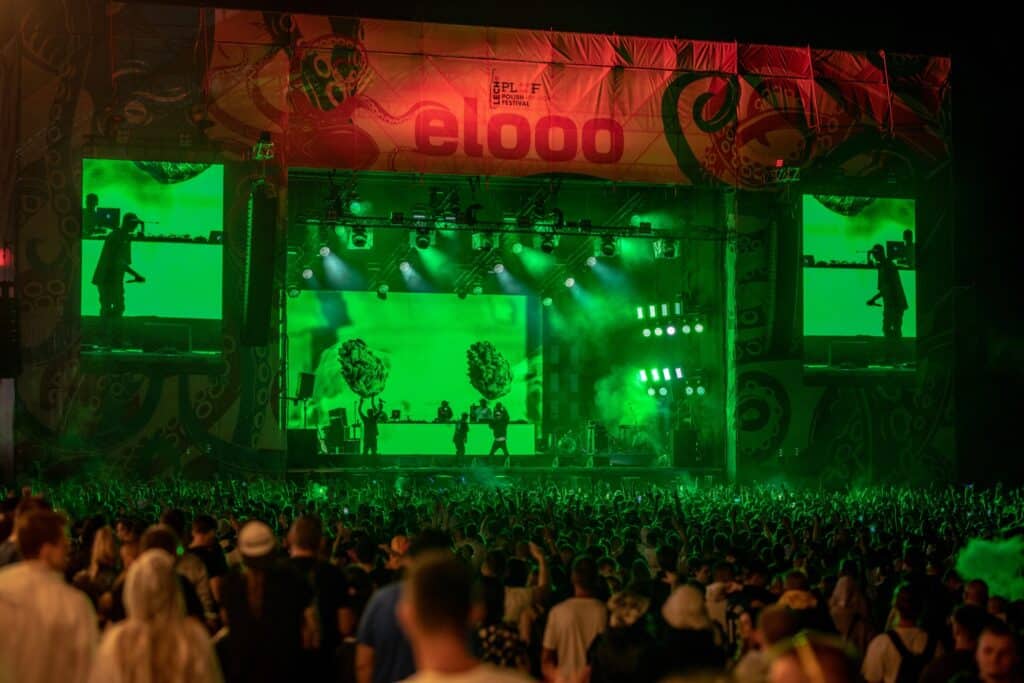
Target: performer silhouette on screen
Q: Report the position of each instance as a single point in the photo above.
(114, 262)
(371, 419)
(894, 301)
(481, 412)
(499, 425)
(461, 436)
(89, 228)
(444, 413)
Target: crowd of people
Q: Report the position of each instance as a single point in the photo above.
(444, 580)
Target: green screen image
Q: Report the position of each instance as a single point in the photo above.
(179, 200)
(839, 279)
(422, 339)
(183, 280)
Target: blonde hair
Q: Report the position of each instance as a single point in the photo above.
(104, 551)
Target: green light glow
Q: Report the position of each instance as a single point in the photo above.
(536, 262)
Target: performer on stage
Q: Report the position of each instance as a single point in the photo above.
(499, 425)
(114, 262)
(461, 436)
(370, 420)
(894, 301)
(481, 412)
(444, 413)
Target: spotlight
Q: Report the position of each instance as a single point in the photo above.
(658, 332)
(499, 268)
(663, 392)
(671, 330)
(701, 390)
(307, 273)
(405, 266)
(643, 376)
(647, 332)
(359, 238)
(547, 244)
(325, 250)
(293, 292)
(547, 301)
(689, 390)
(666, 248)
(591, 261)
(651, 391)
(517, 248)
(608, 246)
(698, 328)
(570, 282)
(422, 238)
(382, 292)
(478, 289)
(687, 329)
(679, 373)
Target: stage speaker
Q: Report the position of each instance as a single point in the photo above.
(303, 448)
(686, 452)
(10, 353)
(260, 267)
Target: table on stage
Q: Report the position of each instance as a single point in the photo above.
(428, 438)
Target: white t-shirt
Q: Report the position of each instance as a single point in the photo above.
(485, 673)
(882, 661)
(572, 626)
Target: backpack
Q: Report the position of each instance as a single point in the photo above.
(911, 665)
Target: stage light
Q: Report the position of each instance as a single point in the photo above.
(687, 329)
(663, 391)
(293, 292)
(405, 266)
(658, 332)
(591, 261)
(698, 328)
(499, 268)
(307, 273)
(478, 289)
(679, 373)
(547, 301)
(666, 374)
(643, 376)
(651, 391)
(339, 230)
(666, 248)
(356, 207)
(382, 292)
(517, 248)
(647, 332)
(689, 390)
(639, 312)
(547, 244)
(671, 330)
(701, 390)
(655, 374)
(570, 282)
(325, 250)
(653, 311)
(608, 246)
(422, 238)
(664, 310)
(359, 237)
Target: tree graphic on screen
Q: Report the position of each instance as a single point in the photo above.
(363, 371)
(489, 371)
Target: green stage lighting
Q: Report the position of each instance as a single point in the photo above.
(687, 329)
(651, 391)
(325, 250)
(639, 312)
(382, 292)
(701, 390)
(663, 391)
(679, 373)
(643, 376)
(658, 332)
(647, 332)
(689, 390)
(547, 301)
(655, 374)
(517, 248)
(307, 273)
(671, 330)
(698, 328)
(591, 261)
(570, 282)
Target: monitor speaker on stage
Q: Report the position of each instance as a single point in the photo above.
(260, 269)
(687, 451)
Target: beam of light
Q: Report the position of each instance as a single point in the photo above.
(614, 279)
(536, 262)
(634, 252)
(509, 284)
(414, 282)
(439, 267)
(339, 275)
(570, 282)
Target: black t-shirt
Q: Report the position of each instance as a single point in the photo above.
(331, 590)
(262, 645)
(114, 260)
(213, 559)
